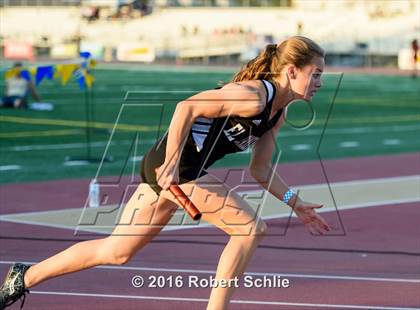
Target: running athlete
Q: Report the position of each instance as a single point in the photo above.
(204, 128)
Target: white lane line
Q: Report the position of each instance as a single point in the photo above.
(63, 146)
(414, 177)
(309, 132)
(381, 203)
(9, 167)
(76, 163)
(5, 219)
(260, 274)
(350, 130)
(349, 144)
(391, 141)
(235, 301)
(42, 147)
(136, 158)
(301, 147)
(162, 68)
(20, 217)
(96, 229)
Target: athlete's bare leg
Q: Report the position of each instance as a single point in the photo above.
(228, 211)
(133, 233)
(222, 211)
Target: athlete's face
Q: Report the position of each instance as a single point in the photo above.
(306, 81)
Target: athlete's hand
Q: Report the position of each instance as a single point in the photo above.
(305, 211)
(167, 175)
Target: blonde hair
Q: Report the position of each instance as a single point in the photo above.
(296, 50)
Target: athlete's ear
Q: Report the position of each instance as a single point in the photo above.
(291, 72)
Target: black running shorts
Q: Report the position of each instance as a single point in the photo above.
(189, 166)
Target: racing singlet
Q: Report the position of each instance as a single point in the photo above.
(213, 138)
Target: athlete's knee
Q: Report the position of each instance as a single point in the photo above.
(261, 229)
(113, 253)
(252, 233)
(119, 259)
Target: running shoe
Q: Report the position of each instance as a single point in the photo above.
(13, 287)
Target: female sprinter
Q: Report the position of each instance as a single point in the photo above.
(248, 111)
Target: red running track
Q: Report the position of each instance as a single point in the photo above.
(376, 264)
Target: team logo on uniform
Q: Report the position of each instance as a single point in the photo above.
(234, 135)
(245, 143)
(236, 130)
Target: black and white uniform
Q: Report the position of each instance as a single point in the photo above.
(211, 139)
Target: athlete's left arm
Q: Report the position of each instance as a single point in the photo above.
(261, 167)
(265, 173)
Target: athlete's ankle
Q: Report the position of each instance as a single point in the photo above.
(26, 278)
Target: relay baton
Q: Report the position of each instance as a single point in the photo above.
(184, 201)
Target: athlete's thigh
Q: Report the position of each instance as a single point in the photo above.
(144, 216)
(222, 206)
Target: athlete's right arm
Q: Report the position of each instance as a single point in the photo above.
(243, 99)
(234, 99)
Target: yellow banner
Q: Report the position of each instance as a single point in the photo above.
(61, 71)
(12, 73)
(89, 79)
(65, 72)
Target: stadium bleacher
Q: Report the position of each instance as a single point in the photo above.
(383, 30)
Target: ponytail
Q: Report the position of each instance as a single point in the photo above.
(296, 50)
(259, 67)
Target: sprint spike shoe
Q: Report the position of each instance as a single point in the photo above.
(13, 287)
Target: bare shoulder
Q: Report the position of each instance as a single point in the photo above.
(248, 89)
(239, 98)
(254, 86)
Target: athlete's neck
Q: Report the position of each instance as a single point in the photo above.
(284, 95)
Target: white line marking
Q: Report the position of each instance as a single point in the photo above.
(136, 158)
(9, 167)
(391, 141)
(235, 301)
(76, 163)
(289, 275)
(349, 144)
(168, 227)
(309, 132)
(131, 90)
(301, 147)
(162, 68)
(9, 217)
(340, 208)
(405, 178)
(350, 130)
(5, 219)
(64, 146)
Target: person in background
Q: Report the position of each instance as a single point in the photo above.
(17, 88)
(140, 6)
(415, 49)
